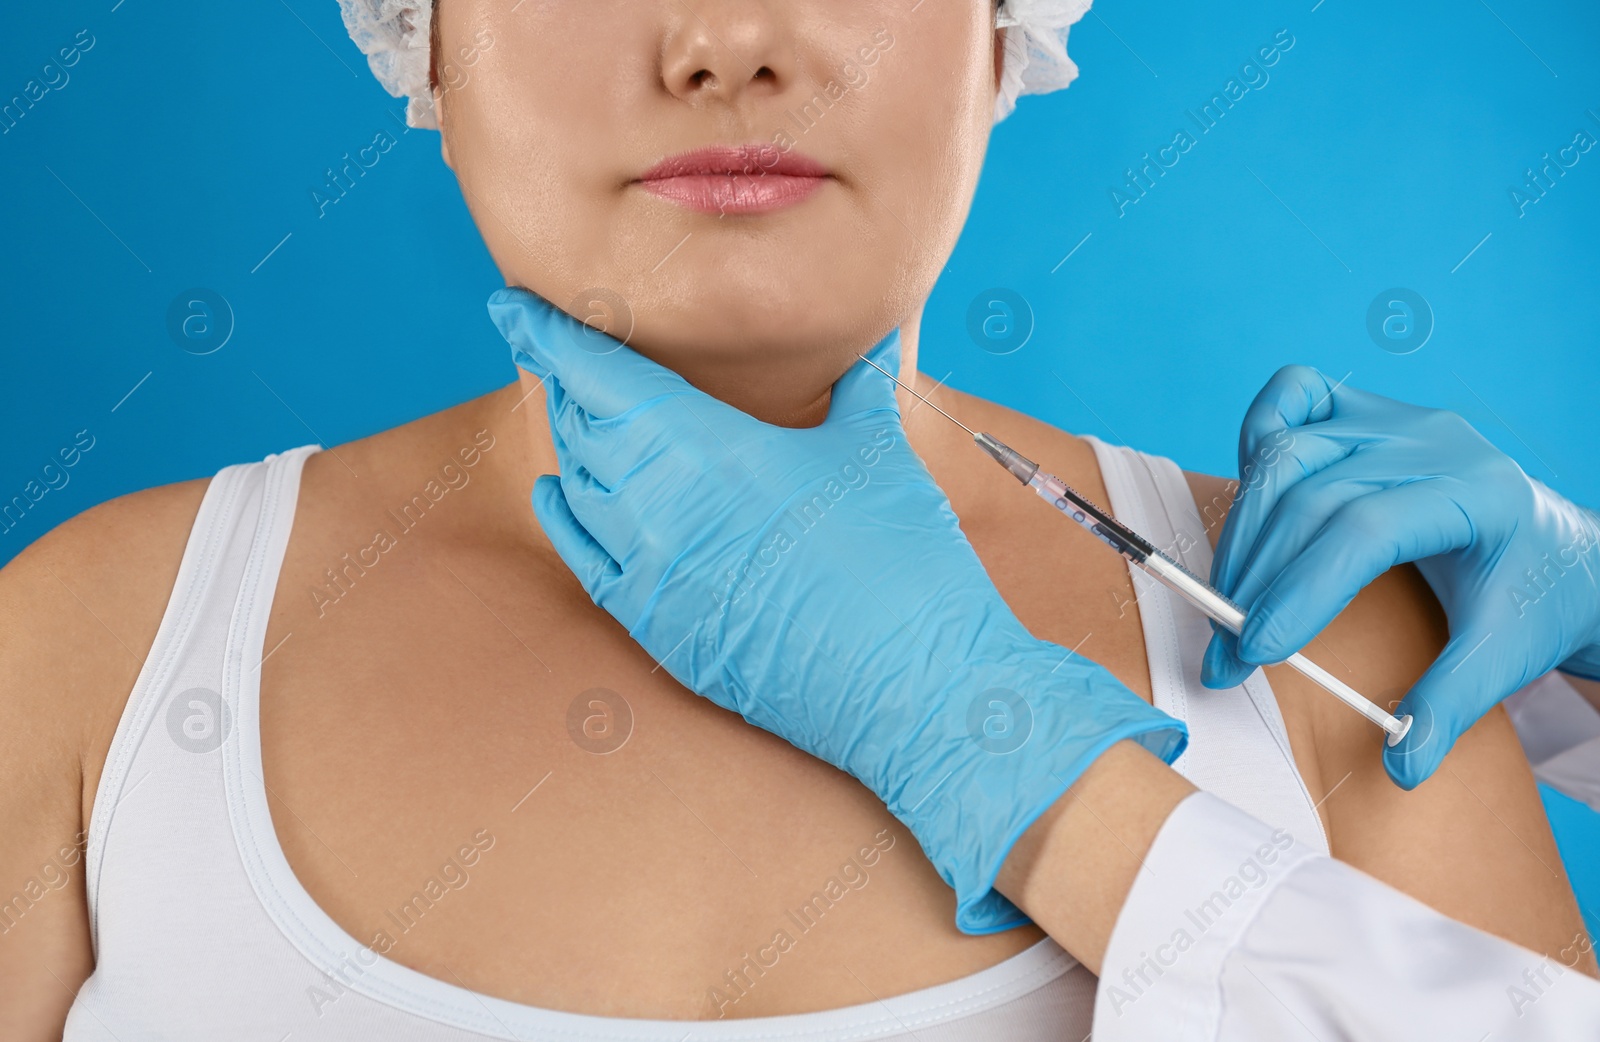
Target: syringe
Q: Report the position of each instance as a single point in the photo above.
(1157, 564)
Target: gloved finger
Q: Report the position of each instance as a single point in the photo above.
(1298, 457)
(613, 447)
(609, 449)
(1294, 396)
(863, 389)
(602, 375)
(1303, 511)
(1298, 403)
(1362, 540)
(610, 518)
(1448, 699)
(627, 522)
(1297, 512)
(1301, 398)
(1221, 667)
(1356, 446)
(1252, 551)
(594, 568)
(1373, 444)
(564, 416)
(570, 432)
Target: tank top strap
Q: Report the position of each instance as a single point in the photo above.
(1238, 745)
(165, 758)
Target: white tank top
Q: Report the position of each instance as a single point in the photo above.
(202, 932)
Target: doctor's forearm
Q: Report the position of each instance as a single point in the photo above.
(1072, 870)
(1206, 925)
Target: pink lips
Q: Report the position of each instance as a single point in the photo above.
(737, 179)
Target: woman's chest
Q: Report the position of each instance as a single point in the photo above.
(476, 771)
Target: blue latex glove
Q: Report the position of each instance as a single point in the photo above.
(816, 582)
(1337, 486)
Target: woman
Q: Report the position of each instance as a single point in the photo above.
(362, 757)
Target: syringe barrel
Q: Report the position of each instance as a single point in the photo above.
(1097, 522)
(1194, 590)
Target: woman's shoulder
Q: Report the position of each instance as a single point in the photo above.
(81, 606)
(112, 564)
(79, 611)
(94, 587)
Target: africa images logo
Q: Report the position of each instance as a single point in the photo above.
(197, 720)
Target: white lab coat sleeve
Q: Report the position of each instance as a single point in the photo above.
(1234, 933)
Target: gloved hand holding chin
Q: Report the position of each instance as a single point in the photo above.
(817, 582)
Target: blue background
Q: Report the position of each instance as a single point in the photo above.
(1380, 152)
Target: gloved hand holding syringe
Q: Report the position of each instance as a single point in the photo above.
(1159, 565)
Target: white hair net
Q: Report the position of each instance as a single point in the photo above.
(394, 35)
(1035, 59)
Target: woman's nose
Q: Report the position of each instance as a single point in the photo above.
(723, 49)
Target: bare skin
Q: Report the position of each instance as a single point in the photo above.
(430, 701)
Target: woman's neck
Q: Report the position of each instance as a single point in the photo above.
(524, 450)
(784, 399)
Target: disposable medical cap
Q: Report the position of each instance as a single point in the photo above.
(394, 35)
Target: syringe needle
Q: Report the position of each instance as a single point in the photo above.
(936, 409)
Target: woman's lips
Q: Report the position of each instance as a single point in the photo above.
(740, 179)
(734, 193)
